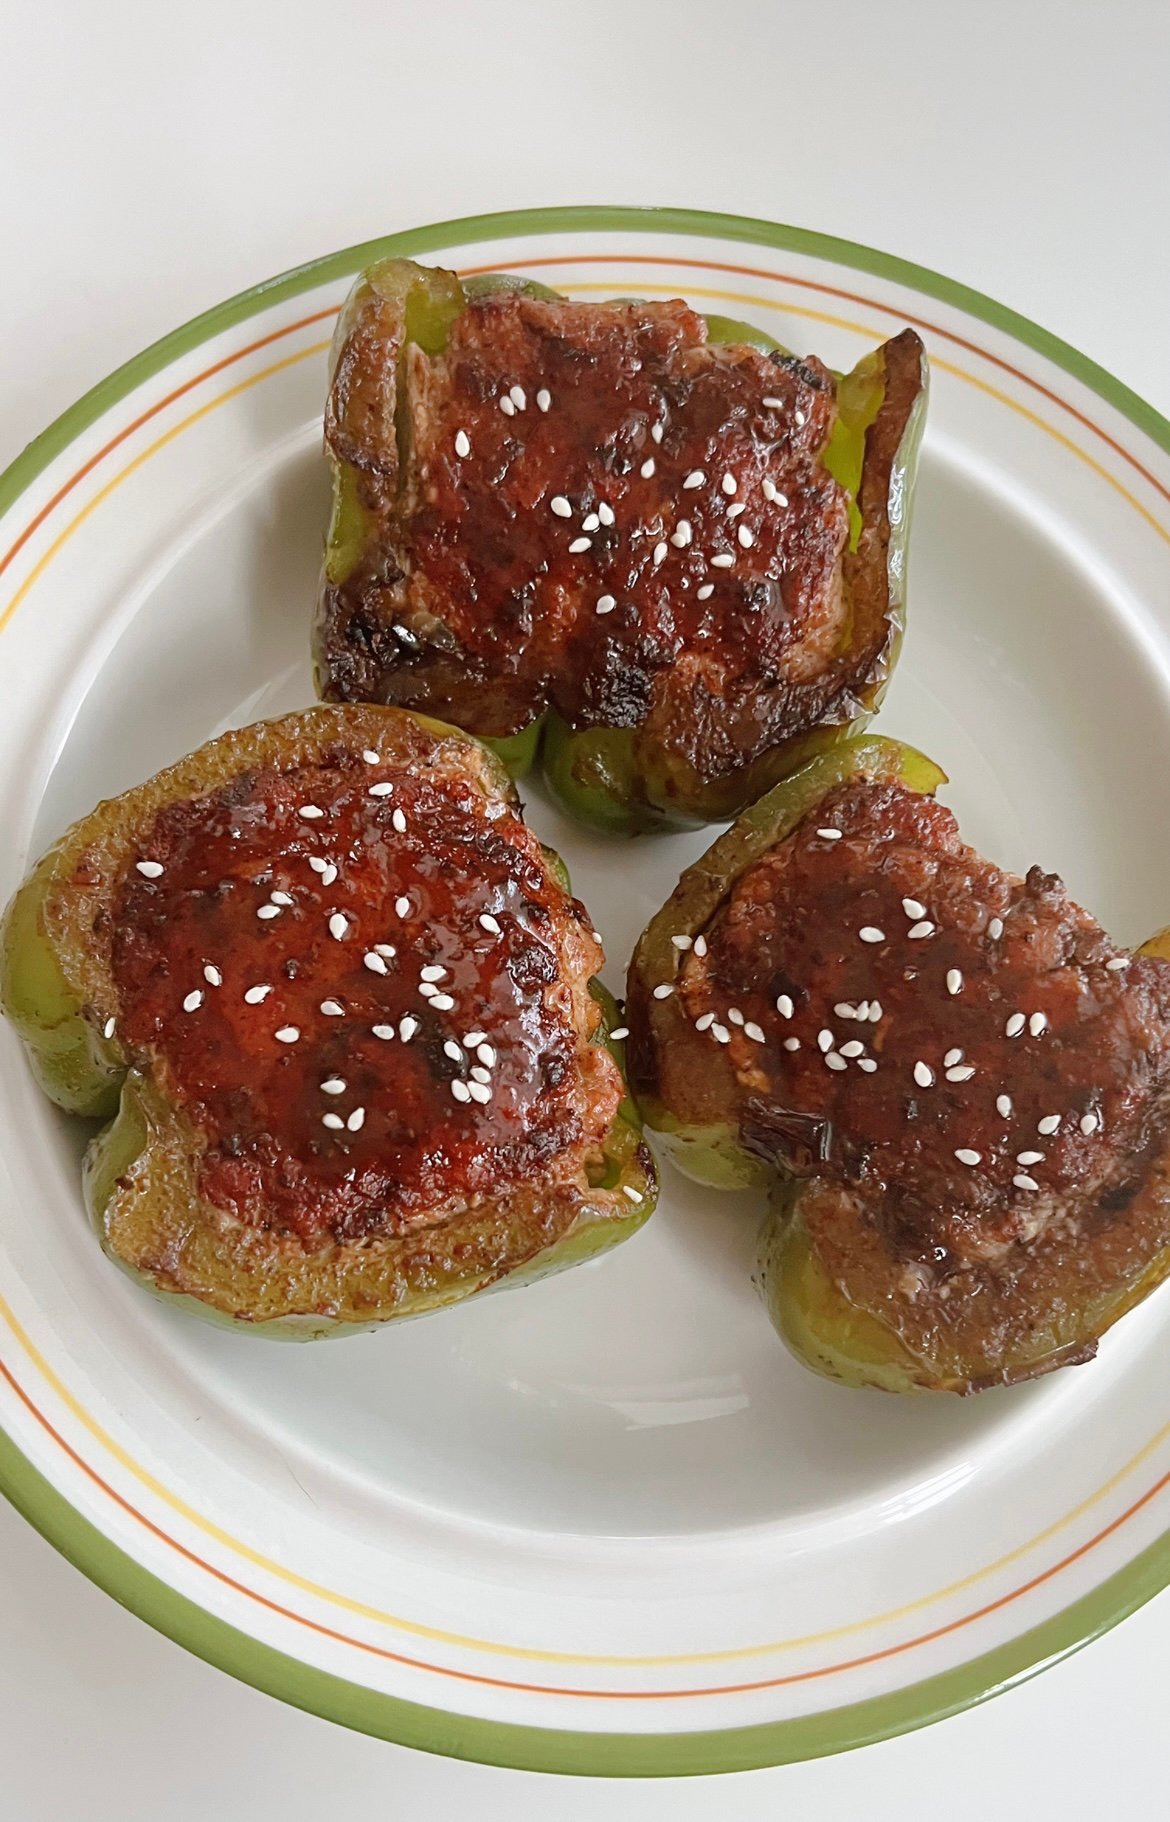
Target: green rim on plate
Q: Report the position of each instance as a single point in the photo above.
(432, 1729)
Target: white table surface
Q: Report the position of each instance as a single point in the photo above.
(154, 159)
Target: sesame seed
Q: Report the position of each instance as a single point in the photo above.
(734, 1016)
(507, 407)
(912, 908)
(386, 949)
(333, 1085)
(371, 757)
(605, 604)
(635, 1195)
(329, 875)
(923, 1074)
(149, 869)
(472, 1039)
(1023, 1181)
(333, 1121)
(385, 789)
(480, 1092)
(266, 911)
(861, 1011)
(1029, 1157)
(798, 417)
(681, 536)
(966, 1156)
(952, 1057)
(1118, 962)
(962, 1072)
(338, 926)
(460, 1090)
(193, 1000)
(280, 898)
(647, 468)
(590, 522)
(875, 1011)
(705, 1022)
(288, 1034)
(619, 1032)
(853, 1048)
(664, 991)
(311, 812)
(728, 483)
(656, 432)
(700, 946)
(605, 512)
(543, 399)
(407, 1028)
(487, 922)
(399, 821)
(833, 1061)
(954, 981)
(829, 834)
(580, 544)
(561, 506)
(774, 404)
(721, 1034)
(825, 1039)
(518, 397)
(867, 1063)
(212, 975)
(768, 488)
(428, 990)
(462, 443)
(869, 933)
(917, 931)
(385, 1032)
(705, 593)
(1037, 1023)
(374, 962)
(443, 1002)
(682, 942)
(1003, 1106)
(433, 972)
(745, 537)
(357, 1119)
(723, 561)
(695, 478)
(318, 865)
(784, 1006)
(1089, 1123)
(1015, 1025)
(660, 550)
(752, 1030)
(487, 1054)
(734, 511)
(844, 1010)
(792, 1043)
(1048, 1125)
(402, 906)
(995, 928)
(109, 1028)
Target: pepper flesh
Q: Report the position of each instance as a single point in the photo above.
(145, 1171)
(639, 751)
(875, 1221)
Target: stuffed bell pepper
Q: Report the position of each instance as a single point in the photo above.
(337, 1006)
(955, 1085)
(655, 547)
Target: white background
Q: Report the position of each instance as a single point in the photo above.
(155, 158)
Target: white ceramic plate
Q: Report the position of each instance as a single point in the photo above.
(607, 1524)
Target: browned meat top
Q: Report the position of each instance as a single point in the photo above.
(600, 512)
(366, 990)
(968, 1048)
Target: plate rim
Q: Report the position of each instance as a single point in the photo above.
(510, 1743)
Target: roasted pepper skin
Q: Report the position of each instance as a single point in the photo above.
(138, 1178)
(628, 780)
